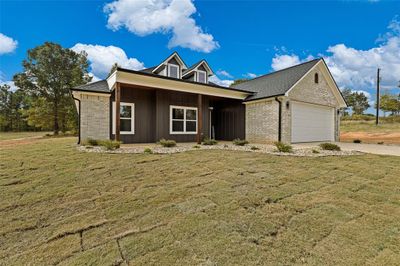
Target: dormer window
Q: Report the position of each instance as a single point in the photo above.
(173, 71)
(201, 76)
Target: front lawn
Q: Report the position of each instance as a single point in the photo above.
(24, 134)
(212, 207)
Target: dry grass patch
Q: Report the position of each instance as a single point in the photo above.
(59, 205)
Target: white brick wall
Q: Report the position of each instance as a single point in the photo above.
(95, 116)
(262, 121)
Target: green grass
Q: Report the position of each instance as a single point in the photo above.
(369, 126)
(211, 207)
(18, 135)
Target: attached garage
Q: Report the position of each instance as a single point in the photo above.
(311, 122)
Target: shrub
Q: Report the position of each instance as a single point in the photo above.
(329, 146)
(90, 142)
(208, 141)
(282, 147)
(226, 146)
(240, 142)
(167, 143)
(315, 151)
(380, 142)
(148, 151)
(110, 144)
(357, 141)
(196, 147)
(254, 148)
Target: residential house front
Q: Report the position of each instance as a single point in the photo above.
(174, 101)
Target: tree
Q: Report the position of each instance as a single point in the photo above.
(390, 103)
(49, 72)
(12, 105)
(348, 97)
(358, 101)
(238, 81)
(113, 68)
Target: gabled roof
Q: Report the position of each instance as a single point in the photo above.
(178, 58)
(193, 67)
(276, 83)
(100, 86)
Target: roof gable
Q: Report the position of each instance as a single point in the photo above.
(201, 63)
(175, 56)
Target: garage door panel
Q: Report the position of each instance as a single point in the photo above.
(312, 122)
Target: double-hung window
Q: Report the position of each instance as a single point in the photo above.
(126, 118)
(183, 120)
(201, 76)
(173, 71)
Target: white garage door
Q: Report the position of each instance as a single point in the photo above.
(312, 122)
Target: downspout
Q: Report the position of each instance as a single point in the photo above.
(79, 118)
(279, 119)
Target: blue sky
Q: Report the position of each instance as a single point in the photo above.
(238, 38)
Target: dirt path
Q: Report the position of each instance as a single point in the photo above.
(369, 137)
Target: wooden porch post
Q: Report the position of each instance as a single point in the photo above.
(200, 118)
(117, 111)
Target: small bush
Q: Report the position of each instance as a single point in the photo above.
(329, 146)
(110, 144)
(208, 141)
(167, 143)
(357, 141)
(315, 151)
(148, 151)
(240, 142)
(254, 148)
(196, 147)
(226, 146)
(380, 142)
(90, 142)
(282, 147)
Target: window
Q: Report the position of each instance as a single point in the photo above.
(201, 76)
(126, 118)
(183, 120)
(173, 71)
(316, 78)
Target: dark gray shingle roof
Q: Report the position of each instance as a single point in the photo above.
(97, 86)
(148, 70)
(276, 83)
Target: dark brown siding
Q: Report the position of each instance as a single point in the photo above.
(164, 100)
(228, 119)
(144, 100)
(152, 111)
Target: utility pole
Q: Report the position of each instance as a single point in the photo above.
(378, 79)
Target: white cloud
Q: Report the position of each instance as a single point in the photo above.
(103, 57)
(220, 82)
(161, 16)
(7, 44)
(356, 68)
(224, 73)
(284, 61)
(251, 75)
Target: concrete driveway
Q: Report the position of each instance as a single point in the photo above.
(367, 148)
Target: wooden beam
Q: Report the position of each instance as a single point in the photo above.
(117, 111)
(199, 118)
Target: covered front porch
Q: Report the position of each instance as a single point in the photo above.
(141, 114)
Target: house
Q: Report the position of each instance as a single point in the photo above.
(173, 101)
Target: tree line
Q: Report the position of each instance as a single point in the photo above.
(43, 99)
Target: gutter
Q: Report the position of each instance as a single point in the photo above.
(79, 118)
(279, 119)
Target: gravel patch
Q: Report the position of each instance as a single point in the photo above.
(183, 147)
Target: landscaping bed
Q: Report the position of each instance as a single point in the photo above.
(184, 147)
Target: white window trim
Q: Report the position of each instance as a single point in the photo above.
(171, 107)
(177, 71)
(132, 132)
(205, 76)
